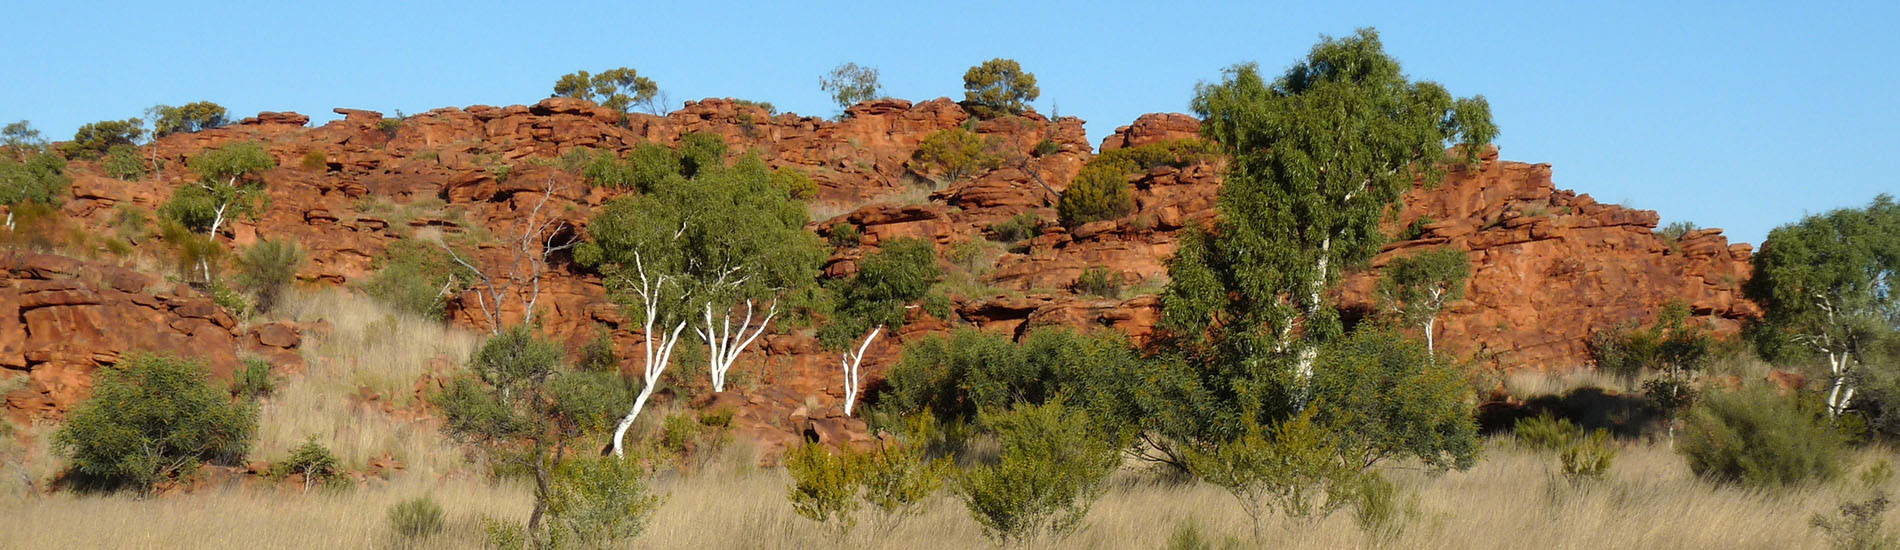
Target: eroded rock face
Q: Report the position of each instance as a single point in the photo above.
(62, 319)
(1550, 266)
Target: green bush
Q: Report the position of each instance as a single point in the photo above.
(1099, 281)
(901, 272)
(1187, 535)
(845, 235)
(824, 486)
(795, 183)
(416, 277)
(123, 162)
(266, 269)
(1587, 458)
(1019, 227)
(93, 139)
(599, 502)
(1293, 467)
(1757, 438)
(954, 154)
(416, 518)
(1384, 398)
(1177, 153)
(1545, 432)
(998, 87)
(1099, 192)
(187, 118)
(1052, 468)
(313, 461)
(153, 418)
(315, 160)
(40, 178)
(1046, 147)
(253, 381)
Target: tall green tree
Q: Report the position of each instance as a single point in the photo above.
(229, 184)
(1319, 155)
(998, 87)
(39, 178)
(523, 406)
(1829, 282)
(1416, 287)
(702, 244)
(187, 118)
(620, 89)
(850, 84)
(20, 138)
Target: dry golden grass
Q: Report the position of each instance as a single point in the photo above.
(368, 346)
(1509, 500)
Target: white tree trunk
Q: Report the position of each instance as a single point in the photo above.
(723, 344)
(1431, 352)
(649, 290)
(853, 378)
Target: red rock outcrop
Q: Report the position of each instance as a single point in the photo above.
(61, 319)
(1550, 266)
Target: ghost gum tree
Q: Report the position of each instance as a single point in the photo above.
(1416, 287)
(1319, 156)
(1827, 284)
(706, 245)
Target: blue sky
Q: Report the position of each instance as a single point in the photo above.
(1730, 115)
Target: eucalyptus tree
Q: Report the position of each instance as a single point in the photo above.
(1416, 287)
(692, 250)
(999, 87)
(1828, 283)
(619, 89)
(1319, 155)
(850, 84)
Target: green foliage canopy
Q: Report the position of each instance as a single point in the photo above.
(619, 89)
(93, 139)
(152, 418)
(850, 84)
(1319, 154)
(1831, 284)
(998, 87)
(955, 153)
(187, 118)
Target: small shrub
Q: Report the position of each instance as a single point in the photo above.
(1416, 229)
(253, 381)
(1020, 227)
(1099, 192)
(389, 126)
(123, 162)
(1672, 234)
(416, 277)
(1099, 281)
(717, 418)
(1545, 433)
(1587, 458)
(266, 269)
(1858, 525)
(416, 518)
(599, 502)
(315, 160)
(954, 154)
(1177, 153)
(153, 418)
(598, 355)
(1381, 509)
(1757, 438)
(845, 235)
(795, 183)
(678, 433)
(1050, 472)
(314, 462)
(1046, 147)
(824, 486)
(228, 298)
(1187, 535)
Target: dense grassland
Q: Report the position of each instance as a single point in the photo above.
(1511, 499)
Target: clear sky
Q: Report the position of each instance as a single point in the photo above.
(1724, 114)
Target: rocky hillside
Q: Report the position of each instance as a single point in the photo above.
(1550, 266)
